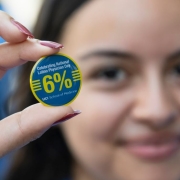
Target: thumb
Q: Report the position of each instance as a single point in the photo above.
(19, 129)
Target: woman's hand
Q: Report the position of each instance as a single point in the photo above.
(23, 127)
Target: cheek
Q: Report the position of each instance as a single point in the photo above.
(102, 112)
(175, 89)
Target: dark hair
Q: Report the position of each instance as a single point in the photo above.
(47, 158)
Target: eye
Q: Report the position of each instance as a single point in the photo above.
(176, 69)
(112, 73)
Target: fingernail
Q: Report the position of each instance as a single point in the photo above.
(67, 117)
(22, 28)
(51, 44)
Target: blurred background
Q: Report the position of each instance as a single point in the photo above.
(25, 12)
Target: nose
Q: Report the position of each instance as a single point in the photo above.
(154, 104)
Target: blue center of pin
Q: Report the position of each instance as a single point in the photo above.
(55, 80)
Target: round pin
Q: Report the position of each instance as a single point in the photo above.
(55, 80)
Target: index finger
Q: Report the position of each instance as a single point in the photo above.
(11, 30)
(12, 55)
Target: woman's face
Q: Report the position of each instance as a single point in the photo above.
(129, 54)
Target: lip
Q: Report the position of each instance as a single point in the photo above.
(155, 147)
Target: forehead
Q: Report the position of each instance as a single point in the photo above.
(126, 24)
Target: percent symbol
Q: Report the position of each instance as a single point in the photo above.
(67, 82)
(49, 86)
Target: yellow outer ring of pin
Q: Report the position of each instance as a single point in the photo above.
(33, 69)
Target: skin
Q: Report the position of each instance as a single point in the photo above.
(29, 124)
(137, 100)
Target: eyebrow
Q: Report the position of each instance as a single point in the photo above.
(120, 54)
(108, 53)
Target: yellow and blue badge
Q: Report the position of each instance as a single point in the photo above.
(55, 80)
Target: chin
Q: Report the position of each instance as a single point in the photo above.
(152, 174)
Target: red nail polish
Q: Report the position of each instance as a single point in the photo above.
(22, 28)
(68, 116)
(51, 44)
